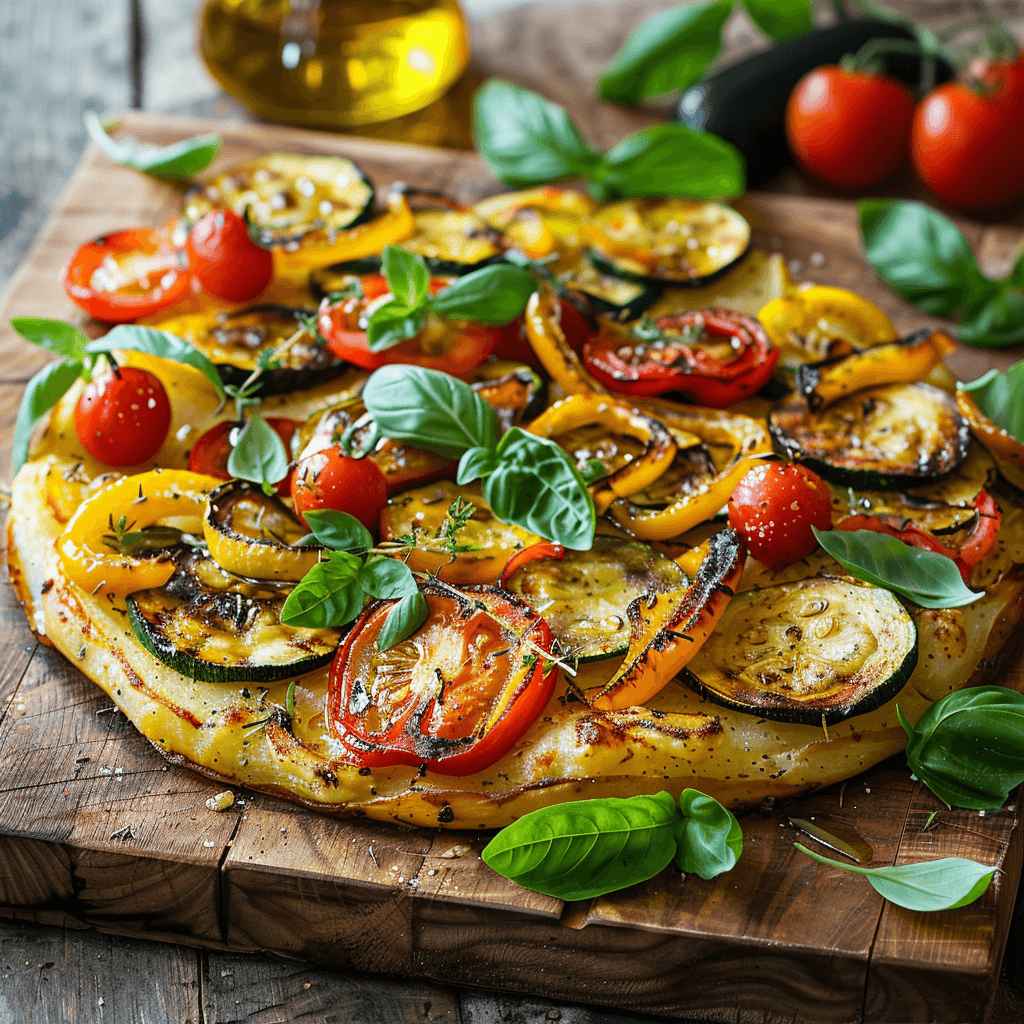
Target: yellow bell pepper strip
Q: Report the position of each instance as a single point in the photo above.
(530, 233)
(898, 362)
(367, 239)
(616, 416)
(749, 445)
(548, 342)
(669, 630)
(1000, 444)
(817, 323)
(144, 499)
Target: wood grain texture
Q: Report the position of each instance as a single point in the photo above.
(778, 937)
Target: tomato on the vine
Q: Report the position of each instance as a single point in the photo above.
(848, 128)
(774, 507)
(225, 260)
(212, 450)
(123, 416)
(331, 479)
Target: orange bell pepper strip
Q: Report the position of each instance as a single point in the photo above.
(1000, 444)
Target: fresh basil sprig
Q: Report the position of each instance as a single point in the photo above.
(932, 885)
(176, 162)
(258, 454)
(586, 848)
(495, 294)
(1000, 396)
(927, 578)
(527, 480)
(526, 140)
(924, 257)
(968, 748)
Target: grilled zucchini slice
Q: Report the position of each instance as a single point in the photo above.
(339, 277)
(900, 435)
(585, 596)
(288, 197)
(609, 294)
(666, 241)
(212, 627)
(817, 650)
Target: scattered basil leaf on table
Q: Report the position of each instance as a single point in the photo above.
(968, 748)
(329, 594)
(933, 885)
(338, 530)
(179, 161)
(53, 335)
(929, 579)
(42, 393)
(258, 454)
(781, 19)
(709, 837)
(403, 620)
(1000, 396)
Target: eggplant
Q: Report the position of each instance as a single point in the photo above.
(746, 103)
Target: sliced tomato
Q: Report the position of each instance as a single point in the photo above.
(455, 347)
(211, 452)
(124, 276)
(455, 696)
(713, 356)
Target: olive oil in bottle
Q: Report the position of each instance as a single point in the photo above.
(335, 64)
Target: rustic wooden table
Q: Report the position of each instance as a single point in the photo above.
(54, 59)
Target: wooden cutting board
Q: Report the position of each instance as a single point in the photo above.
(96, 828)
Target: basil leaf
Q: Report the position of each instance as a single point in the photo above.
(536, 486)
(493, 295)
(41, 394)
(430, 409)
(133, 338)
(929, 579)
(781, 19)
(407, 274)
(328, 595)
(668, 51)
(994, 321)
(932, 885)
(338, 530)
(393, 323)
(476, 463)
(258, 454)
(671, 160)
(524, 139)
(1000, 396)
(387, 578)
(709, 837)
(179, 161)
(921, 255)
(583, 849)
(968, 748)
(403, 620)
(53, 335)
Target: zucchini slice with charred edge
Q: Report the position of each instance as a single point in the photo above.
(287, 197)
(899, 435)
(819, 649)
(326, 281)
(666, 241)
(585, 596)
(610, 294)
(214, 628)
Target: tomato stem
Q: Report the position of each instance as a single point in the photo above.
(866, 59)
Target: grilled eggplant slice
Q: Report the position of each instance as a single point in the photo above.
(900, 435)
(610, 294)
(514, 390)
(585, 596)
(288, 198)
(817, 650)
(212, 627)
(666, 241)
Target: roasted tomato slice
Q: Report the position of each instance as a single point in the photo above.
(211, 452)
(129, 274)
(453, 346)
(713, 356)
(455, 696)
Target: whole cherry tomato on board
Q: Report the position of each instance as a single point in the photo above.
(848, 128)
(225, 260)
(332, 479)
(774, 507)
(123, 416)
(211, 452)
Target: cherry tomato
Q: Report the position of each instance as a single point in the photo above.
(225, 260)
(129, 274)
(123, 416)
(211, 452)
(332, 479)
(456, 696)
(968, 147)
(454, 347)
(774, 507)
(847, 127)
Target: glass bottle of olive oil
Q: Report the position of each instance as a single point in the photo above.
(335, 64)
